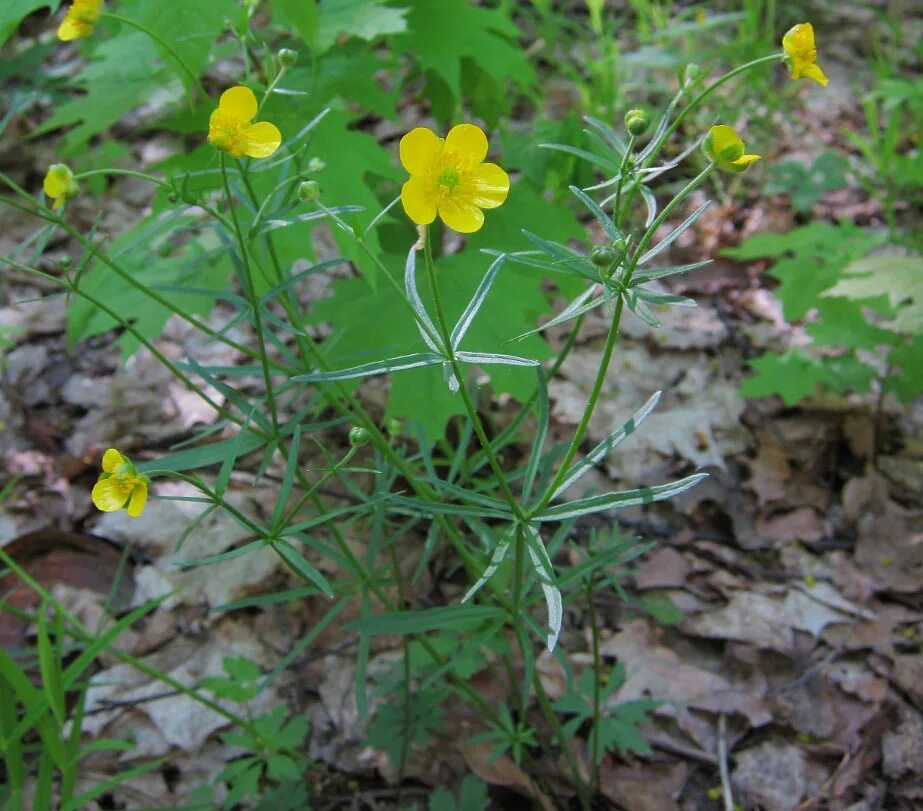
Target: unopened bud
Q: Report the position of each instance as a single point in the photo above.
(316, 165)
(691, 74)
(358, 436)
(308, 191)
(287, 57)
(66, 262)
(637, 121)
(172, 197)
(395, 427)
(602, 256)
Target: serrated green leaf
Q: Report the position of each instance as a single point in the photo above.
(366, 19)
(13, 12)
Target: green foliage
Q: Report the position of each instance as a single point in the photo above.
(508, 735)
(807, 185)
(856, 301)
(472, 796)
(13, 12)
(616, 726)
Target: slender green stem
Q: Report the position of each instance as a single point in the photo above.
(310, 491)
(704, 94)
(544, 702)
(443, 326)
(636, 255)
(162, 43)
(124, 173)
(595, 754)
(250, 292)
(272, 86)
(519, 560)
(617, 207)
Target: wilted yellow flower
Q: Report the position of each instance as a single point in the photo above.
(724, 147)
(448, 177)
(80, 19)
(120, 486)
(59, 184)
(801, 53)
(229, 127)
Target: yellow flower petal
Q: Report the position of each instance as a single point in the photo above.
(813, 71)
(461, 215)
(419, 150)
(468, 141)
(419, 202)
(55, 183)
(112, 460)
(109, 495)
(490, 185)
(723, 143)
(257, 141)
(799, 40)
(138, 499)
(744, 161)
(71, 29)
(238, 103)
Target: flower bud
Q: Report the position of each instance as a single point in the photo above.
(691, 74)
(395, 427)
(358, 436)
(66, 263)
(602, 256)
(287, 57)
(172, 197)
(316, 165)
(637, 122)
(308, 191)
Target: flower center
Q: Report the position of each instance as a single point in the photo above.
(449, 178)
(223, 131)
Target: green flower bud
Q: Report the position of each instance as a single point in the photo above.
(66, 262)
(602, 256)
(316, 165)
(172, 197)
(637, 122)
(287, 57)
(308, 191)
(358, 436)
(395, 427)
(691, 74)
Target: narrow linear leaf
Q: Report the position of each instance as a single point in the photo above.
(660, 273)
(538, 444)
(477, 300)
(619, 501)
(607, 445)
(668, 239)
(545, 573)
(600, 161)
(489, 357)
(429, 619)
(410, 284)
(498, 556)
(378, 367)
(299, 564)
(604, 219)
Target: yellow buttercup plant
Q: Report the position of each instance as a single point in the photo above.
(230, 128)
(724, 146)
(801, 53)
(448, 177)
(120, 486)
(59, 184)
(80, 20)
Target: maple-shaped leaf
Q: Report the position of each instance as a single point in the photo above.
(441, 33)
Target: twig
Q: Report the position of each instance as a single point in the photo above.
(723, 764)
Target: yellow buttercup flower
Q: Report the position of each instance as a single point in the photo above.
(59, 184)
(120, 486)
(448, 177)
(723, 146)
(801, 53)
(80, 19)
(229, 127)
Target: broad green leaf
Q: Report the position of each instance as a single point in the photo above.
(366, 19)
(302, 15)
(13, 12)
(443, 33)
(897, 276)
